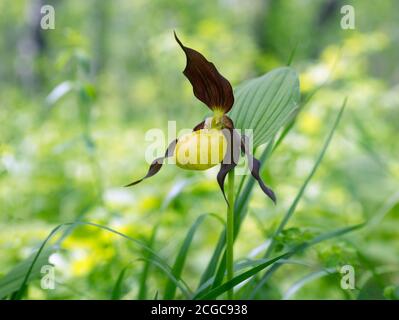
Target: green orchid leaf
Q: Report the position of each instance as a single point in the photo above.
(13, 280)
(266, 104)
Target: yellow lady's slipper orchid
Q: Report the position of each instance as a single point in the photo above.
(213, 140)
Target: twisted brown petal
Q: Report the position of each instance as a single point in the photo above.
(209, 85)
(227, 122)
(199, 126)
(230, 159)
(156, 165)
(254, 166)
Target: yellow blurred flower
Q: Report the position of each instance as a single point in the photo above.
(309, 123)
(88, 259)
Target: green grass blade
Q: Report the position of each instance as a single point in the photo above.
(292, 54)
(155, 258)
(32, 265)
(206, 288)
(333, 234)
(221, 271)
(140, 244)
(184, 288)
(213, 262)
(298, 197)
(386, 208)
(178, 266)
(117, 291)
(307, 279)
(142, 295)
(21, 289)
(300, 248)
(13, 280)
(285, 131)
(304, 101)
(215, 292)
(237, 267)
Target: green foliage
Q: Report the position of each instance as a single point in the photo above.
(266, 104)
(117, 291)
(77, 101)
(15, 278)
(178, 266)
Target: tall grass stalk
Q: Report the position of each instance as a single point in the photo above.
(230, 232)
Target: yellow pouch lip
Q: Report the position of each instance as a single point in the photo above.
(201, 149)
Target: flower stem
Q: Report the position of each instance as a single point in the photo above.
(230, 232)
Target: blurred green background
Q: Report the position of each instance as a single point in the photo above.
(76, 102)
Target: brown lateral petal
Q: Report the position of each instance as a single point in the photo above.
(156, 165)
(227, 122)
(199, 126)
(224, 170)
(254, 166)
(230, 159)
(209, 85)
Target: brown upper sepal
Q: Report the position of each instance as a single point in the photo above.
(209, 85)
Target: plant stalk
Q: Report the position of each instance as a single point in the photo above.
(230, 232)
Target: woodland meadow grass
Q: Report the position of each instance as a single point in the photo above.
(77, 101)
(211, 285)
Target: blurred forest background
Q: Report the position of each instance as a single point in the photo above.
(76, 102)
